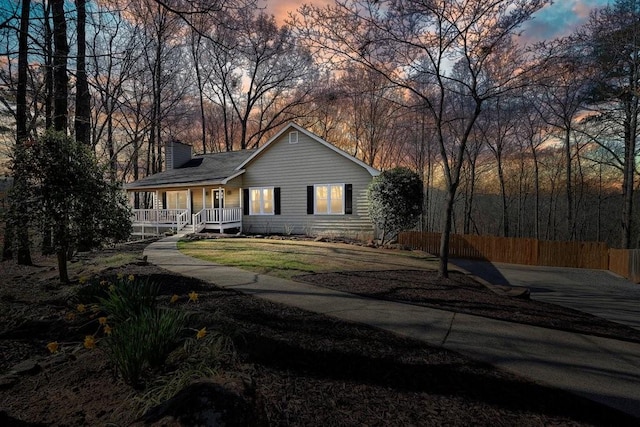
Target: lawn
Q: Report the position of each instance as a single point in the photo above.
(289, 258)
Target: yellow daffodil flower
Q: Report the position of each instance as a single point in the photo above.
(112, 288)
(193, 296)
(83, 280)
(174, 299)
(120, 275)
(102, 320)
(131, 278)
(53, 347)
(70, 316)
(201, 333)
(81, 308)
(89, 342)
(107, 329)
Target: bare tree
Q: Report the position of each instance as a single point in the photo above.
(413, 45)
(60, 78)
(611, 39)
(532, 133)
(115, 49)
(563, 88)
(82, 122)
(470, 171)
(496, 125)
(375, 109)
(277, 77)
(18, 225)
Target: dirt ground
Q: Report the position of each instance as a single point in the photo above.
(287, 367)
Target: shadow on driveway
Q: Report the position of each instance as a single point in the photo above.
(483, 269)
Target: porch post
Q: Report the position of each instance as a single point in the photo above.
(221, 205)
(156, 205)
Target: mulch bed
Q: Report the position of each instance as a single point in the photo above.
(296, 368)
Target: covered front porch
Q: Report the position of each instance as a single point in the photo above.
(186, 210)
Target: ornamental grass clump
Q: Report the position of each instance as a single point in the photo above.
(143, 334)
(144, 341)
(129, 297)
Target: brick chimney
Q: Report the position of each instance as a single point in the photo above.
(176, 154)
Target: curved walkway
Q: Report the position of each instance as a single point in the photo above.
(602, 369)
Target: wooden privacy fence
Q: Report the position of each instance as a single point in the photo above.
(625, 262)
(514, 250)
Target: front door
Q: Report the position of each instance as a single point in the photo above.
(218, 199)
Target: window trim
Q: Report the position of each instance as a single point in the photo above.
(328, 212)
(293, 137)
(174, 197)
(273, 201)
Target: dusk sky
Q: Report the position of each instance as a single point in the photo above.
(558, 19)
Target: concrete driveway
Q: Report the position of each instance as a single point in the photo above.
(598, 292)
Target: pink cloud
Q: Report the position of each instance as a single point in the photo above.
(582, 8)
(281, 8)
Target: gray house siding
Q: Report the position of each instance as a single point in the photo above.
(292, 167)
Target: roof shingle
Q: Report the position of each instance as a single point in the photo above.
(207, 169)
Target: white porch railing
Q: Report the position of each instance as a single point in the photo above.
(220, 218)
(182, 219)
(176, 218)
(198, 221)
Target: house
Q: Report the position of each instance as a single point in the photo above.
(297, 183)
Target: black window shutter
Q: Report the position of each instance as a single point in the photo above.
(276, 200)
(164, 200)
(245, 201)
(348, 199)
(309, 199)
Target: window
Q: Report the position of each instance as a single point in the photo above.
(293, 137)
(329, 199)
(261, 201)
(176, 200)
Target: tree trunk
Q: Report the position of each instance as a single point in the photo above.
(113, 161)
(46, 246)
(627, 184)
(195, 45)
(156, 126)
(60, 80)
(48, 103)
(83, 97)
(19, 198)
(60, 107)
(443, 270)
(468, 200)
(569, 189)
(63, 273)
(536, 183)
(503, 195)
